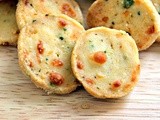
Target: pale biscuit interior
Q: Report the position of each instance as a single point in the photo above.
(106, 62)
(44, 49)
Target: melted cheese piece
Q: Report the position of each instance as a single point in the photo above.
(44, 50)
(137, 17)
(106, 62)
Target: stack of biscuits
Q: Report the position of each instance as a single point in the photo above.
(58, 54)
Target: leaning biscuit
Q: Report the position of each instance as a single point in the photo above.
(106, 62)
(8, 26)
(156, 3)
(137, 17)
(28, 10)
(44, 50)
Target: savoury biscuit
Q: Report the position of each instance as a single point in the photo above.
(44, 50)
(137, 17)
(8, 26)
(28, 10)
(156, 3)
(106, 62)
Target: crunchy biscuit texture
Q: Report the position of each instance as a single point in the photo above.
(29, 10)
(156, 3)
(138, 17)
(8, 26)
(44, 51)
(106, 62)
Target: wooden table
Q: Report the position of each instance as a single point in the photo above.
(21, 100)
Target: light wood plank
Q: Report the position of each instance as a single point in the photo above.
(20, 99)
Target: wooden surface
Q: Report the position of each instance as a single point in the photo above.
(21, 100)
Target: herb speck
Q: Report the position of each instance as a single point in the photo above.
(97, 87)
(92, 46)
(52, 85)
(139, 13)
(125, 57)
(34, 21)
(57, 55)
(113, 23)
(64, 29)
(127, 3)
(61, 38)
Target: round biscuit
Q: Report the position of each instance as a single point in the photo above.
(106, 62)
(156, 3)
(28, 10)
(44, 51)
(9, 30)
(137, 17)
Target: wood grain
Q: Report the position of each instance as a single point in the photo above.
(20, 99)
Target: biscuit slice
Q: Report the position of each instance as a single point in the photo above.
(156, 3)
(28, 10)
(44, 50)
(106, 62)
(137, 17)
(8, 26)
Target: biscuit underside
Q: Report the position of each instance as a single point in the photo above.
(118, 75)
(139, 18)
(32, 9)
(8, 26)
(44, 50)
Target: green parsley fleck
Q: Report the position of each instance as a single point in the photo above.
(67, 69)
(127, 3)
(61, 38)
(57, 54)
(64, 29)
(52, 85)
(125, 57)
(139, 13)
(90, 40)
(92, 46)
(34, 21)
(98, 88)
